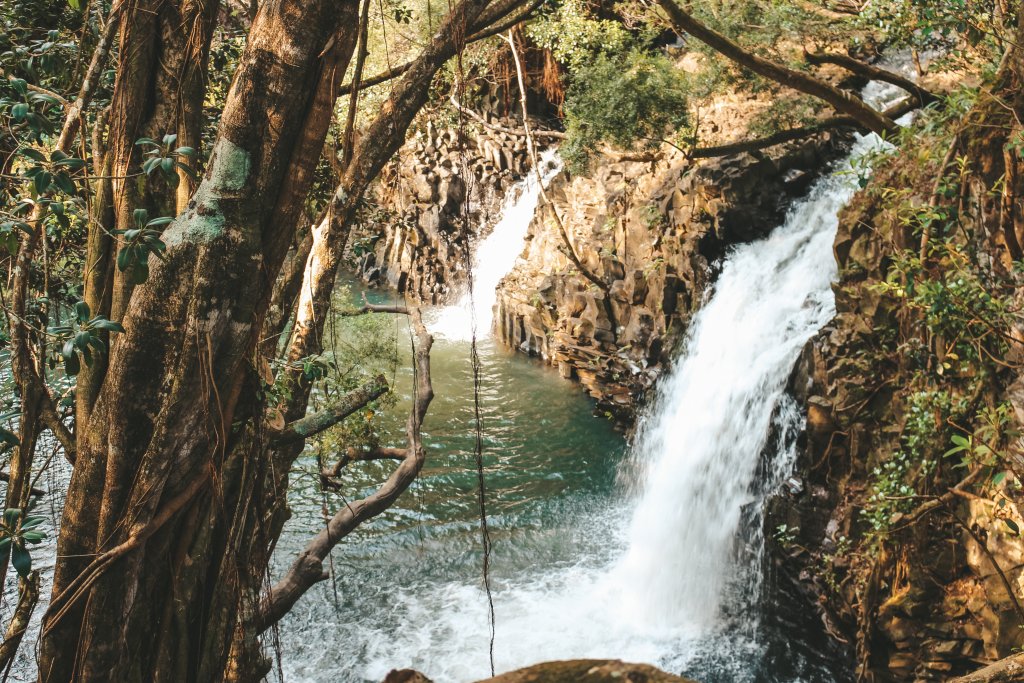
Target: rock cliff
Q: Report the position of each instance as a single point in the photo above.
(652, 232)
(911, 554)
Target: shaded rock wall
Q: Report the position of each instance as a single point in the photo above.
(444, 190)
(652, 231)
(923, 601)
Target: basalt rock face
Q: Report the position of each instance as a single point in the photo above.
(444, 190)
(922, 600)
(652, 233)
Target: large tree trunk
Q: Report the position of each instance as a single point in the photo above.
(150, 560)
(159, 90)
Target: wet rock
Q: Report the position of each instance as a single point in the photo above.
(588, 671)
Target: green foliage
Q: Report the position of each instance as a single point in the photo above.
(17, 532)
(576, 37)
(964, 33)
(634, 98)
(163, 156)
(139, 243)
(81, 338)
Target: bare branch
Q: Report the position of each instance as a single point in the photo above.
(28, 597)
(329, 475)
(483, 31)
(531, 148)
(38, 493)
(834, 123)
(367, 307)
(49, 417)
(308, 568)
(871, 72)
(843, 102)
(521, 132)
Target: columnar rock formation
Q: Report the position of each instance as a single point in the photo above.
(444, 189)
(652, 231)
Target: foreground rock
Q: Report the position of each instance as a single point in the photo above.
(570, 671)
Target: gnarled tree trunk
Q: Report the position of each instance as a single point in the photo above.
(150, 552)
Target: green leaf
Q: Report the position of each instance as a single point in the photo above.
(71, 363)
(71, 162)
(21, 560)
(140, 272)
(19, 111)
(998, 479)
(82, 312)
(65, 183)
(31, 153)
(140, 216)
(1012, 525)
(187, 170)
(42, 181)
(11, 516)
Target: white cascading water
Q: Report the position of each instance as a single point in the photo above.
(672, 571)
(495, 256)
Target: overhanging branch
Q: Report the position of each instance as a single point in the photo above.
(308, 568)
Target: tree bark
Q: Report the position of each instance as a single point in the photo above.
(158, 480)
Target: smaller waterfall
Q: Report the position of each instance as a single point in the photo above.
(495, 256)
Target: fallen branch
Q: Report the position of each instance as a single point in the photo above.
(308, 568)
(1008, 670)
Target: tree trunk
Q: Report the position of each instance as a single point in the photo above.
(159, 90)
(146, 584)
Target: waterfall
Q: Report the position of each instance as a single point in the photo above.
(699, 449)
(495, 256)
